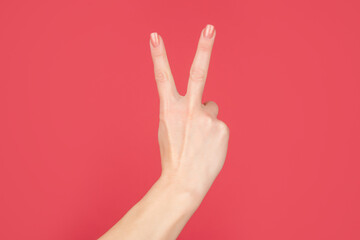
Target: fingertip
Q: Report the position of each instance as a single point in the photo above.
(209, 31)
(155, 39)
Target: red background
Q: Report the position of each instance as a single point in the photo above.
(79, 115)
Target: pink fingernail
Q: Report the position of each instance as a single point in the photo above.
(154, 37)
(209, 31)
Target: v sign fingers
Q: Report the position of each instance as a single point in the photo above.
(200, 65)
(163, 76)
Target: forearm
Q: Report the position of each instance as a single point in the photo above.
(160, 214)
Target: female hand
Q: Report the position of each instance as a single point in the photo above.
(193, 145)
(193, 142)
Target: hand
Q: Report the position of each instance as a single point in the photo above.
(193, 145)
(193, 142)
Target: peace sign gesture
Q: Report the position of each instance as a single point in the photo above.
(193, 145)
(193, 142)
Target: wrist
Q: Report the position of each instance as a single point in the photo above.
(175, 187)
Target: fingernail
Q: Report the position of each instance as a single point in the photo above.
(209, 31)
(154, 37)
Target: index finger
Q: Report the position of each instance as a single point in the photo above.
(163, 76)
(200, 65)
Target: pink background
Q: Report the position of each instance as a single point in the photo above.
(79, 115)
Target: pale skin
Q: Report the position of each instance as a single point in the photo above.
(193, 145)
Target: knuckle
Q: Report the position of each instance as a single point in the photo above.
(209, 114)
(224, 129)
(161, 76)
(207, 120)
(158, 53)
(205, 46)
(197, 74)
